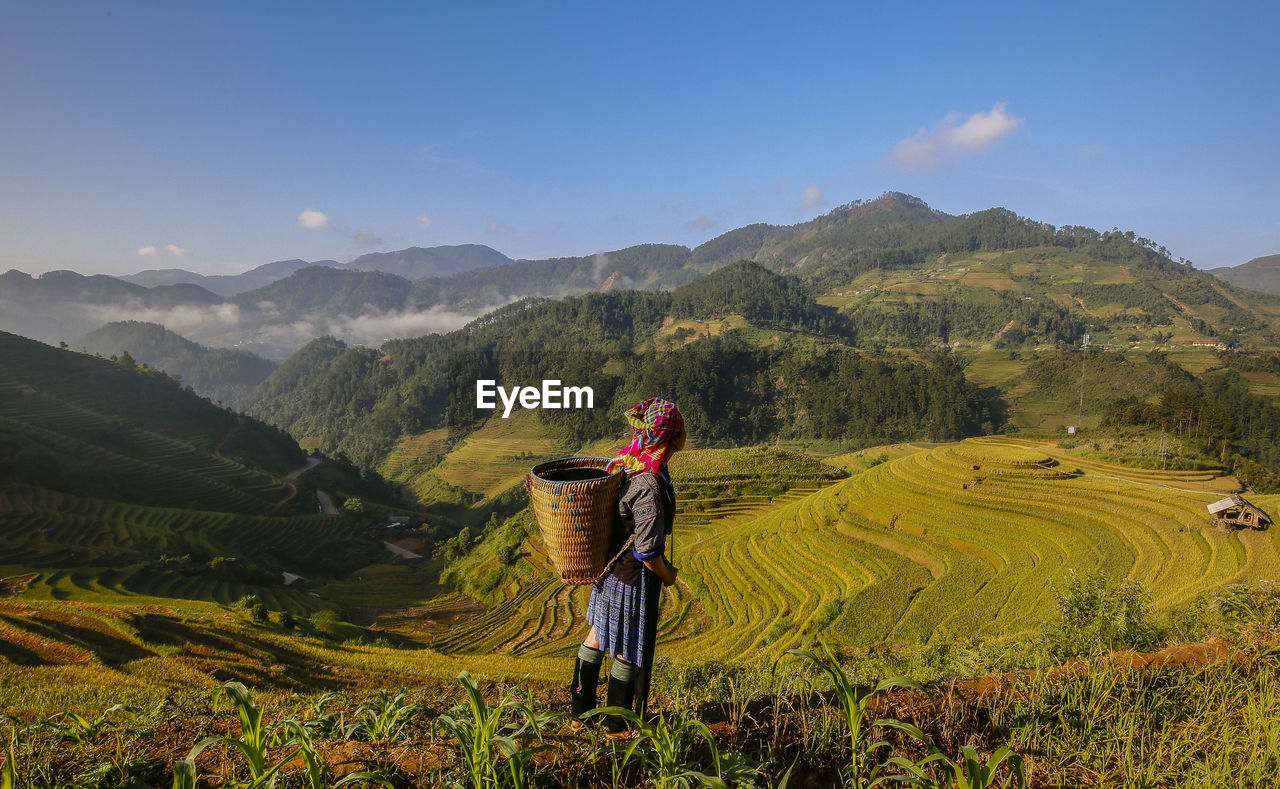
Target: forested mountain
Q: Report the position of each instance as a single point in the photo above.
(859, 326)
(417, 262)
(643, 267)
(220, 374)
(331, 291)
(66, 413)
(112, 466)
(296, 373)
(734, 386)
(1258, 274)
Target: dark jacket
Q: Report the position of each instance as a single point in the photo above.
(647, 509)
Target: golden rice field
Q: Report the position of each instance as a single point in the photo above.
(929, 545)
(486, 462)
(959, 540)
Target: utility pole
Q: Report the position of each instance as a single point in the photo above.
(1164, 456)
(1085, 347)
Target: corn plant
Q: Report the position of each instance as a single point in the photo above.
(966, 772)
(318, 774)
(81, 729)
(386, 719)
(487, 742)
(184, 774)
(665, 745)
(9, 772)
(254, 741)
(322, 723)
(853, 709)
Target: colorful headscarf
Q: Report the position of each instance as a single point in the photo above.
(656, 422)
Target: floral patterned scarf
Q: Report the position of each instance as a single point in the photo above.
(655, 422)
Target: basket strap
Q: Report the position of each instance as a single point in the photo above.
(608, 568)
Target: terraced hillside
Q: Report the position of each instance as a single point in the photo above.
(945, 542)
(43, 529)
(116, 485)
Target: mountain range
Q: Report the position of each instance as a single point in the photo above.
(412, 263)
(275, 309)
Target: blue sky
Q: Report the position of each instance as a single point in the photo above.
(216, 137)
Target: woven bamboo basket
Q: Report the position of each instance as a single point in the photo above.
(575, 503)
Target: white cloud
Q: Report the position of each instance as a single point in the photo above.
(176, 250)
(149, 251)
(423, 221)
(180, 319)
(494, 228)
(813, 195)
(222, 324)
(372, 329)
(954, 138)
(314, 220)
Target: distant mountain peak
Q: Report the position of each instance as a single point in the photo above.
(1261, 273)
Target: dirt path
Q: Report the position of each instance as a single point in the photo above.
(401, 552)
(311, 463)
(293, 475)
(326, 503)
(1001, 333)
(239, 425)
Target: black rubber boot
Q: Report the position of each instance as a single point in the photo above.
(621, 694)
(586, 677)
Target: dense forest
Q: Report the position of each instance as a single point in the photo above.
(1218, 414)
(733, 390)
(220, 374)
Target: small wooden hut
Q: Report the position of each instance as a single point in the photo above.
(1235, 512)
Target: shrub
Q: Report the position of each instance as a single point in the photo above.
(1093, 617)
(260, 614)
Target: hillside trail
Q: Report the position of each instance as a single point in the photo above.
(239, 425)
(289, 478)
(326, 503)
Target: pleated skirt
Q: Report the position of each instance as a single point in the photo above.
(617, 611)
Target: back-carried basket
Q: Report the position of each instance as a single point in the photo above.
(575, 501)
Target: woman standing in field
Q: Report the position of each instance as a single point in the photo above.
(623, 612)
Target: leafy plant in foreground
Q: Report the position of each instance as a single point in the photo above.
(967, 772)
(385, 719)
(487, 740)
(853, 708)
(255, 739)
(318, 773)
(665, 746)
(81, 729)
(9, 773)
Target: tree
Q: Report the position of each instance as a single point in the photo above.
(354, 504)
